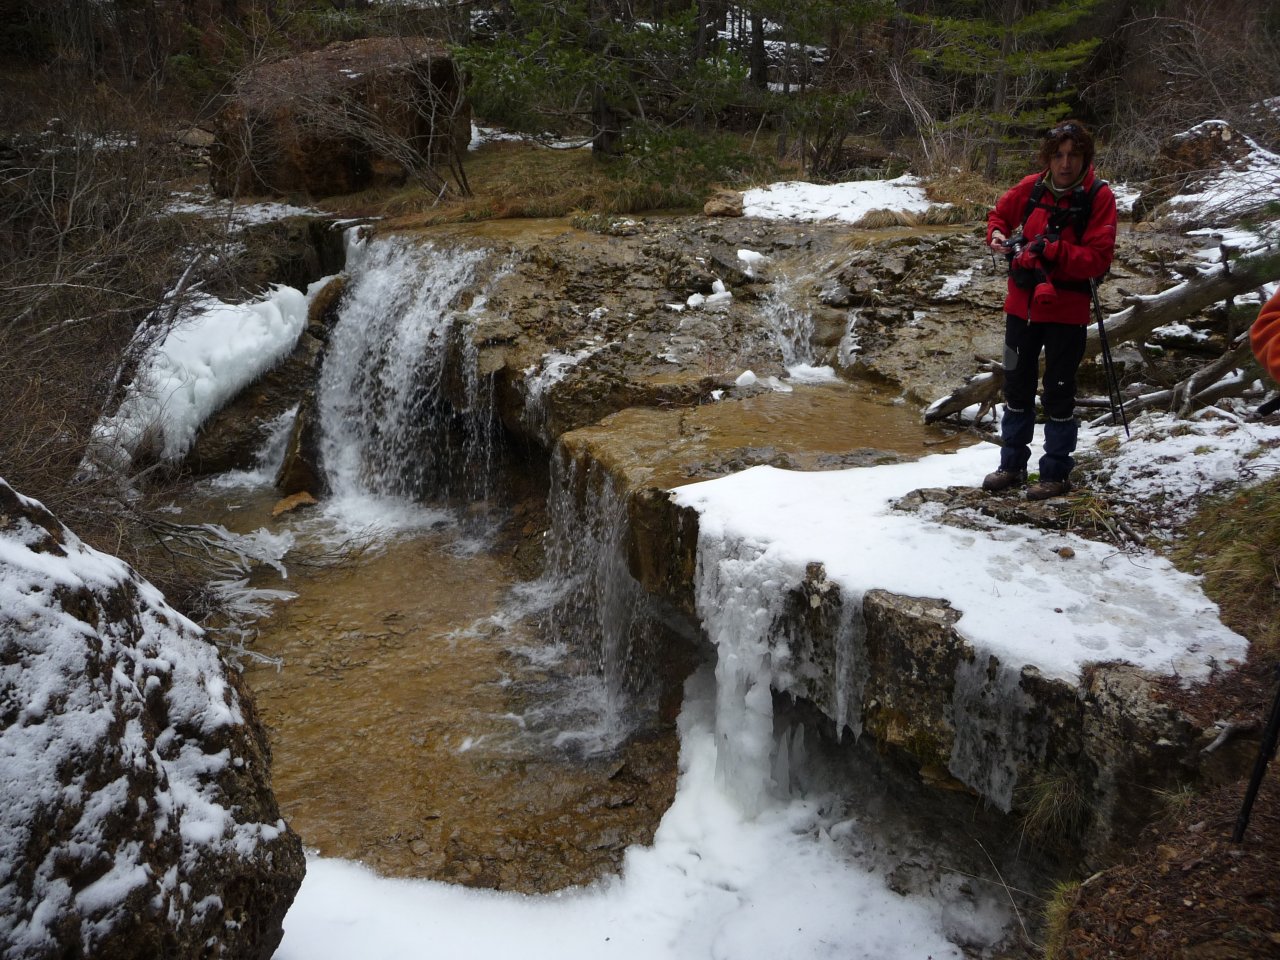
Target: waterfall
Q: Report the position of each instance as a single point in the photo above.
(599, 608)
(790, 326)
(387, 427)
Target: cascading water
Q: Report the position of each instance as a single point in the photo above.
(386, 426)
(790, 326)
(598, 607)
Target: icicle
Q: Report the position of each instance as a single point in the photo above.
(739, 597)
(989, 713)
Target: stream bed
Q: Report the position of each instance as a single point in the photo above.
(422, 720)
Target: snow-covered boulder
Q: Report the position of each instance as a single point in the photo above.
(136, 814)
(1211, 173)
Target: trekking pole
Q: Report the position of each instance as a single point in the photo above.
(1266, 753)
(1113, 384)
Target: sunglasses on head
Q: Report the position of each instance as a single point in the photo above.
(1064, 130)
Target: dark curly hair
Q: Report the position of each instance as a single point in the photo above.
(1072, 130)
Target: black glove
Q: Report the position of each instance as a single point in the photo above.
(1045, 246)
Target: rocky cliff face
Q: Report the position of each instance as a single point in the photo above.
(136, 815)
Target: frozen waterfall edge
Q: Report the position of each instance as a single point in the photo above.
(893, 670)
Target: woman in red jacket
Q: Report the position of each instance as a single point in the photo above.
(1058, 229)
(1264, 335)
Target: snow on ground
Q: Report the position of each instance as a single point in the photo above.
(1235, 190)
(1171, 465)
(237, 215)
(482, 135)
(1126, 196)
(1019, 599)
(719, 882)
(843, 202)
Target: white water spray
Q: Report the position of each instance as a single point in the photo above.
(790, 325)
(384, 420)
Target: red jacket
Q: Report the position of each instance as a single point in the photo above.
(1264, 335)
(1070, 258)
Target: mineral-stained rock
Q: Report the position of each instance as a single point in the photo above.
(724, 204)
(136, 814)
(349, 117)
(293, 502)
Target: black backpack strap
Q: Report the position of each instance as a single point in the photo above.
(1033, 201)
(1078, 212)
(1084, 210)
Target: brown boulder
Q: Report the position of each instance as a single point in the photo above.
(1205, 148)
(136, 812)
(355, 115)
(725, 203)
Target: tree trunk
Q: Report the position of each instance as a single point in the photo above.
(606, 127)
(998, 102)
(1221, 282)
(759, 59)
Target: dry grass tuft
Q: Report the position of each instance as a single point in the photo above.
(967, 198)
(879, 219)
(1234, 544)
(513, 179)
(964, 188)
(1055, 807)
(939, 215)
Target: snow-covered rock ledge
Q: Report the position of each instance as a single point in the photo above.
(136, 815)
(1016, 663)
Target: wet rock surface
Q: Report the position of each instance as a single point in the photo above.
(419, 729)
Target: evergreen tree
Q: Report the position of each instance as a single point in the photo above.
(1003, 57)
(593, 65)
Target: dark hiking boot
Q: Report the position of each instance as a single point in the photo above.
(1048, 488)
(1003, 480)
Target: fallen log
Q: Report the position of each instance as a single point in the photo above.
(1141, 315)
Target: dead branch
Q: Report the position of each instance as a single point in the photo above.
(1135, 322)
(983, 389)
(1222, 281)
